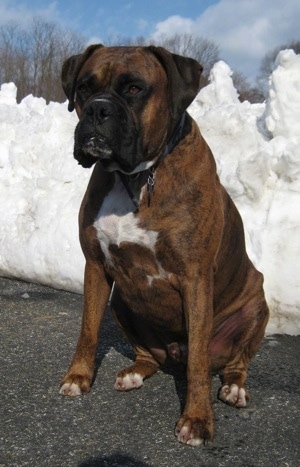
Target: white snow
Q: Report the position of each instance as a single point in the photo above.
(257, 148)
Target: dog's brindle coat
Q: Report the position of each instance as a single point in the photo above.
(185, 290)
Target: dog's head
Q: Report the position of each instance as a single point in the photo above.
(128, 100)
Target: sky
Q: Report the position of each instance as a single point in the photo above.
(244, 30)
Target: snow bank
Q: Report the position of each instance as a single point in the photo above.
(258, 155)
(40, 190)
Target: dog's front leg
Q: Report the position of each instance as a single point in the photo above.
(196, 425)
(97, 289)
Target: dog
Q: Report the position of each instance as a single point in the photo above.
(158, 228)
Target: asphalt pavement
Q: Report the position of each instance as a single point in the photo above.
(39, 329)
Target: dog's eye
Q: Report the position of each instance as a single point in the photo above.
(82, 89)
(133, 90)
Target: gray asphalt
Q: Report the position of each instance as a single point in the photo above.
(39, 330)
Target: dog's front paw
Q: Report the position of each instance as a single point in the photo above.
(75, 385)
(70, 389)
(233, 395)
(194, 431)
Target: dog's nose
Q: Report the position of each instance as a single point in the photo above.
(100, 110)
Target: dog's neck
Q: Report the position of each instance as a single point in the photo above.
(138, 179)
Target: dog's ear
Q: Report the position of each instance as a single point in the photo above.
(184, 78)
(70, 71)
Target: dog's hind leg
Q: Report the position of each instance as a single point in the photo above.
(249, 326)
(145, 364)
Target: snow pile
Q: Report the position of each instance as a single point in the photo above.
(257, 148)
(41, 188)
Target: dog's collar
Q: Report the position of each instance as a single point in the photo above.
(175, 138)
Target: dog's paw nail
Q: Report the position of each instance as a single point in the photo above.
(70, 389)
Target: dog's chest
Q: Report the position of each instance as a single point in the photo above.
(116, 223)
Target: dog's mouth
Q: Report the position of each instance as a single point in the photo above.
(98, 149)
(93, 149)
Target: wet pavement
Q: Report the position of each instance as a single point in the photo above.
(39, 329)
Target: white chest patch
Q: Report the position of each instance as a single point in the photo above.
(116, 222)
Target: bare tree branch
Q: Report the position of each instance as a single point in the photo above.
(33, 58)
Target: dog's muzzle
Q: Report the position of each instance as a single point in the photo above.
(104, 133)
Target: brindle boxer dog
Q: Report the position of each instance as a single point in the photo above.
(156, 222)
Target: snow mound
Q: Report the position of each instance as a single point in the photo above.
(257, 149)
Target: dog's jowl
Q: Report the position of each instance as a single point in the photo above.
(156, 222)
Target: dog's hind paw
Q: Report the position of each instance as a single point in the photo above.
(128, 381)
(233, 395)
